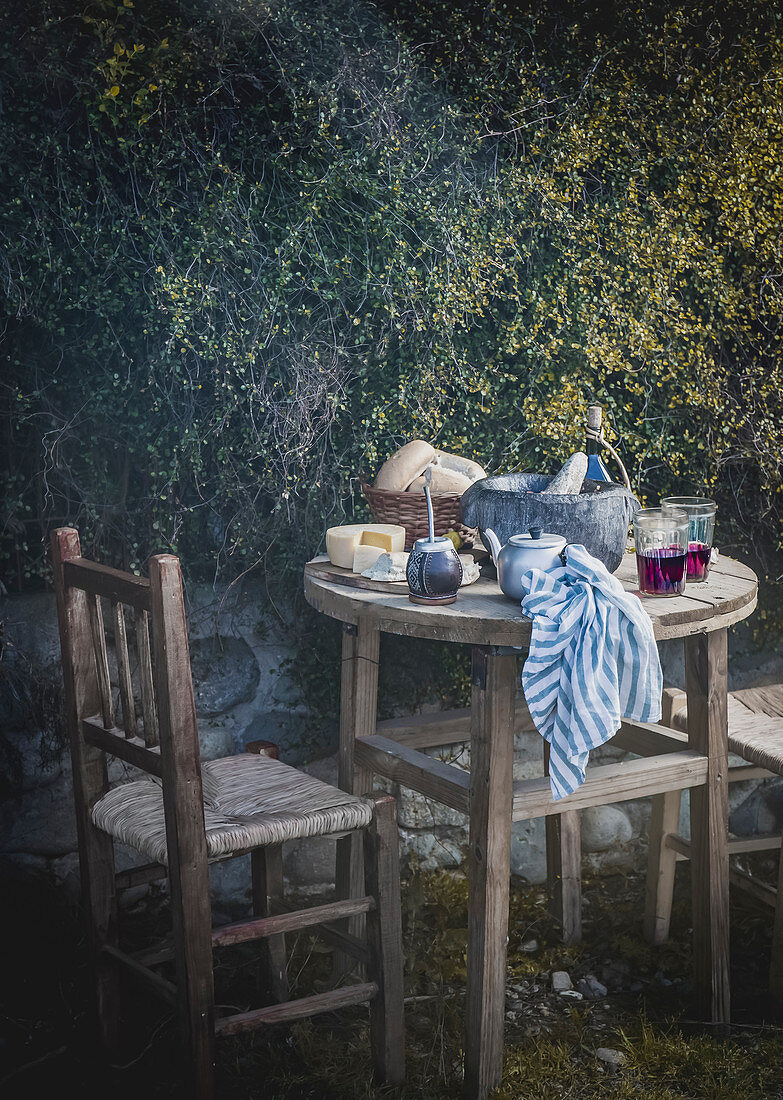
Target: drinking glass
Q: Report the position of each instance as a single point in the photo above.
(661, 538)
(701, 525)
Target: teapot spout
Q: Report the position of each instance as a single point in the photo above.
(488, 535)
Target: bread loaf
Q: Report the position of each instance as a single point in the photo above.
(465, 466)
(442, 481)
(404, 465)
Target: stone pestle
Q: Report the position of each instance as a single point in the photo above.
(568, 481)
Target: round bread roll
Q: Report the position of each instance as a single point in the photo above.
(443, 481)
(398, 472)
(466, 466)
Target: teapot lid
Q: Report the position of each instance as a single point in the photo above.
(536, 539)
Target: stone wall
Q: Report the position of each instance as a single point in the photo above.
(243, 694)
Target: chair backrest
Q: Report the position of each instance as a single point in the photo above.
(166, 744)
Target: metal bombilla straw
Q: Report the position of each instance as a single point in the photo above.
(430, 518)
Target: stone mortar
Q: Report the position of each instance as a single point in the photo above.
(510, 504)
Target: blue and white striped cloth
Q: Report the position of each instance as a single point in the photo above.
(593, 659)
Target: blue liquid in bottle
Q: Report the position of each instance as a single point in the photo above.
(595, 467)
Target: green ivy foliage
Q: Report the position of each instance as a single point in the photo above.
(249, 248)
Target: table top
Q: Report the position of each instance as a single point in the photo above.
(482, 615)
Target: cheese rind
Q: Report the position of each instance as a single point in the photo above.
(341, 542)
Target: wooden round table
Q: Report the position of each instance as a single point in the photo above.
(663, 760)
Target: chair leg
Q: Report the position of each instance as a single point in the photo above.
(661, 864)
(267, 871)
(358, 708)
(99, 905)
(350, 883)
(192, 925)
(384, 934)
(776, 963)
(90, 782)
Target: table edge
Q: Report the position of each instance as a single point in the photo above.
(351, 605)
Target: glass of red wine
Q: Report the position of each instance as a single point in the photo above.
(701, 526)
(661, 538)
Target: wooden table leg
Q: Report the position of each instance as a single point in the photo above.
(661, 865)
(564, 867)
(706, 685)
(358, 714)
(564, 872)
(491, 789)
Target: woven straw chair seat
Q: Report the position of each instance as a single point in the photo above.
(249, 801)
(755, 726)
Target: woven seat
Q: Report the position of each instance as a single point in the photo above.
(755, 728)
(249, 801)
(183, 814)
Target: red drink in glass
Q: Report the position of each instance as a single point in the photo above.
(698, 561)
(701, 526)
(661, 571)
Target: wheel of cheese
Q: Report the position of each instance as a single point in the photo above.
(398, 472)
(343, 541)
(442, 481)
(465, 466)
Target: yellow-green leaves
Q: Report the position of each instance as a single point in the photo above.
(296, 249)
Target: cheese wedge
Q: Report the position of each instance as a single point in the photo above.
(372, 537)
(388, 567)
(341, 542)
(365, 556)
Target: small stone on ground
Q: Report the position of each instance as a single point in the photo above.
(591, 988)
(561, 981)
(612, 1059)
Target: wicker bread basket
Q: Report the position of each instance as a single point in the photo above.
(409, 510)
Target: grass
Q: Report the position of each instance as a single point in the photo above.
(48, 1046)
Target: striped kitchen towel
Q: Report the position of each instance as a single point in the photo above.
(592, 659)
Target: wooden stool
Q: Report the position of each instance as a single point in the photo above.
(756, 736)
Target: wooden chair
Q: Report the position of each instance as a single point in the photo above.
(756, 736)
(182, 815)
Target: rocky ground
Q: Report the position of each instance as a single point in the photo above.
(611, 1018)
